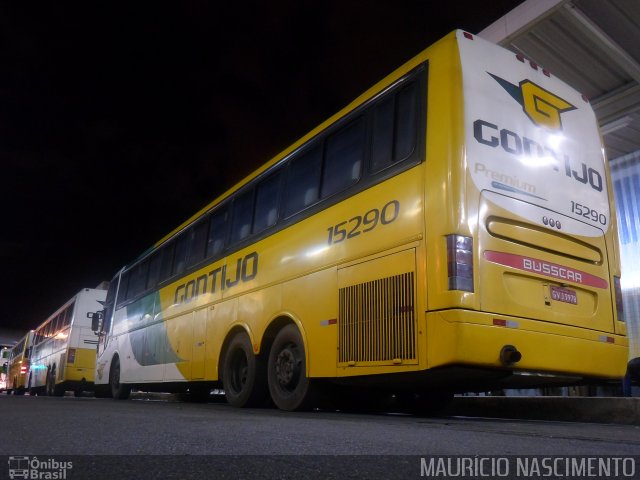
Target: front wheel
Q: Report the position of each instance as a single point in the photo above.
(289, 385)
(119, 391)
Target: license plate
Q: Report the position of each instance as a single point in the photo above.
(565, 295)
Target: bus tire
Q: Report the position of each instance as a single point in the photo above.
(243, 374)
(289, 386)
(119, 391)
(53, 389)
(49, 382)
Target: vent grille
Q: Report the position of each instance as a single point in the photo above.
(377, 321)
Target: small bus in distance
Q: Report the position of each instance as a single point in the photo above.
(452, 229)
(64, 347)
(18, 367)
(4, 367)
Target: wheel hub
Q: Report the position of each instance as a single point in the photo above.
(286, 367)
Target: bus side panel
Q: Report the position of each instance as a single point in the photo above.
(313, 299)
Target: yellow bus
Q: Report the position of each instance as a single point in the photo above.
(4, 367)
(18, 365)
(452, 229)
(63, 356)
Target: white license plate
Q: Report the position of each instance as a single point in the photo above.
(565, 295)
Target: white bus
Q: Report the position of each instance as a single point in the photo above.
(64, 347)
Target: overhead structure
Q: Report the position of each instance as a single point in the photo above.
(593, 46)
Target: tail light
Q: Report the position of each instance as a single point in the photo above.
(71, 355)
(618, 293)
(460, 262)
(23, 369)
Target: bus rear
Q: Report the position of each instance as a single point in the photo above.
(18, 365)
(532, 249)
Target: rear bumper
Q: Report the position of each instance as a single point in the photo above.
(468, 338)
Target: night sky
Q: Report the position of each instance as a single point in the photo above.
(119, 121)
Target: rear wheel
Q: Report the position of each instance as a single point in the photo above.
(289, 385)
(243, 374)
(53, 389)
(119, 391)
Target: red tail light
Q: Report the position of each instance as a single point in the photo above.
(618, 293)
(460, 262)
(23, 369)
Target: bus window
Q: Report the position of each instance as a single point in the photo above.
(55, 325)
(406, 122)
(266, 213)
(303, 181)
(395, 122)
(197, 243)
(180, 255)
(138, 279)
(241, 217)
(67, 314)
(217, 232)
(167, 261)
(154, 271)
(124, 283)
(382, 153)
(343, 159)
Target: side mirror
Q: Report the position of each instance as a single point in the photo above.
(96, 320)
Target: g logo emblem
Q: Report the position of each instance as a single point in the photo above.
(541, 106)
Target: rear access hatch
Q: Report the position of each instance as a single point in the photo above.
(537, 271)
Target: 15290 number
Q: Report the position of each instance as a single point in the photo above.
(588, 213)
(364, 223)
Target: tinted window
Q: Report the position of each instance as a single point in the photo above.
(242, 216)
(217, 232)
(343, 158)
(167, 261)
(382, 153)
(154, 270)
(55, 324)
(108, 304)
(197, 243)
(406, 122)
(266, 212)
(303, 181)
(68, 314)
(124, 283)
(180, 255)
(137, 280)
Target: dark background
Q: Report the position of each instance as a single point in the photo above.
(119, 121)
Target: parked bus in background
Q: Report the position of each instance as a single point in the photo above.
(4, 367)
(64, 347)
(450, 230)
(18, 367)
